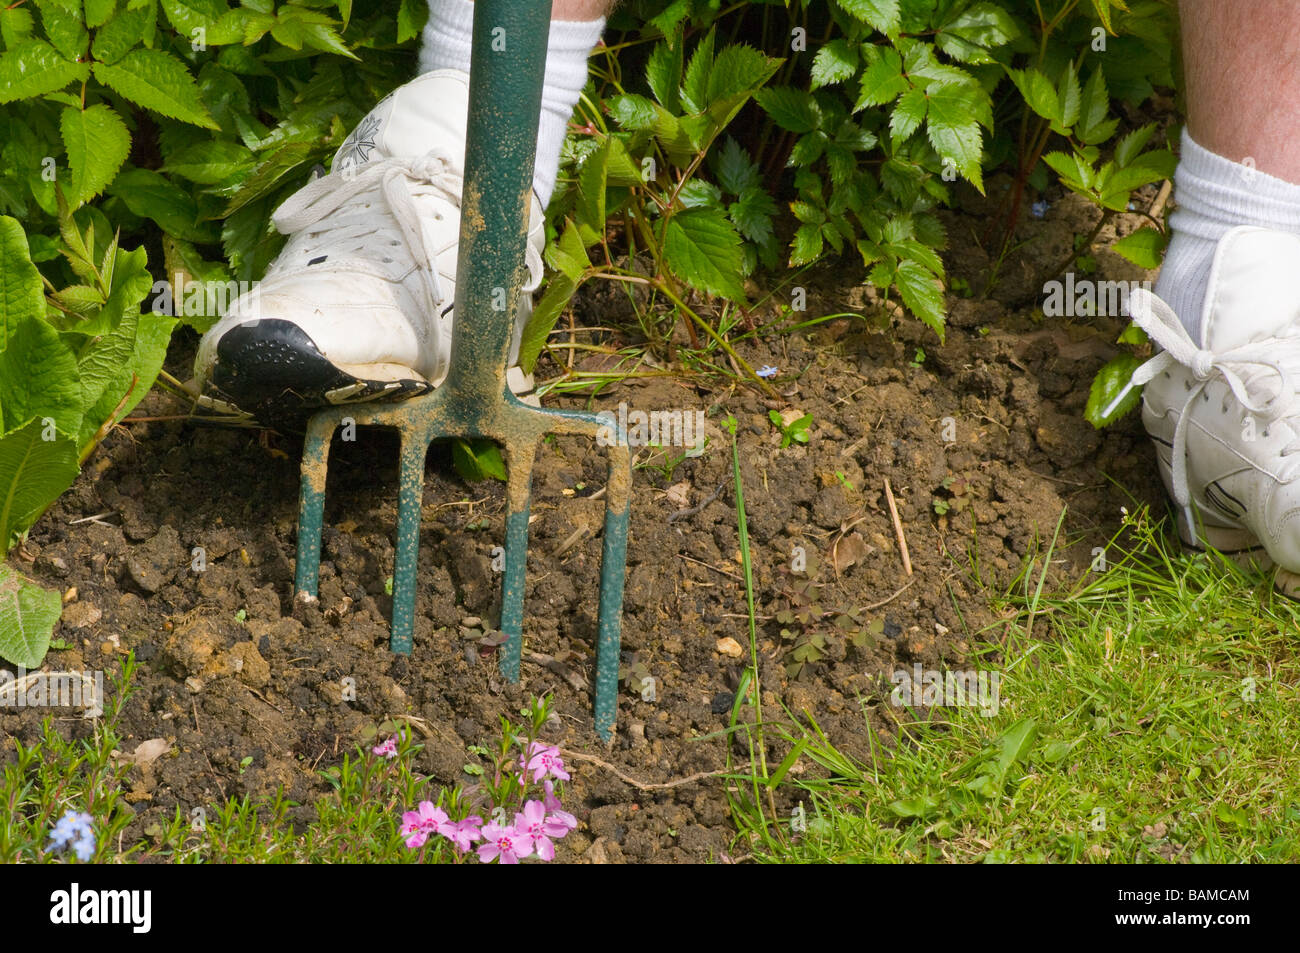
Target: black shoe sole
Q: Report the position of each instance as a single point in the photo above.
(273, 370)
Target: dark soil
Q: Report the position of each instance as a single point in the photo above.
(230, 669)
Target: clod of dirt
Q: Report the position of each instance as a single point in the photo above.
(152, 565)
(729, 647)
(192, 644)
(249, 665)
(81, 614)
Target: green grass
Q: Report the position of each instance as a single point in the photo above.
(1152, 716)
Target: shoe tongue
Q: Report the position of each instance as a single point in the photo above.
(1252, 293)
(430, 110)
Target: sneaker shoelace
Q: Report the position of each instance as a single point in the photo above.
(1244, 368)
(343, 203)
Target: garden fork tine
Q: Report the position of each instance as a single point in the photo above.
(474, 401)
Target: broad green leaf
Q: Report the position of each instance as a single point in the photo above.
(695, 84)
(97, 143)
(478, 460)
(121, 34)
(882, 78)
(1015, 744)
(64, 29)
(411, 17)
(1068, 93)
(28, 614)
(1131, 145)
(592, 181)
(881, 14)
(1107, 385)
(806, 245)
(1103, 13)
(132, 382)
(702, 249)
(16, 25)
(792, 109)
(1094, 107)
(189, 15)
(1143, 247)
(631, 111)
(664, 74)
(983, 25)
(735, 170)
(568, 255)
(738, 69)
(559, 291)
(211, 161)
(33, 68)
(268, 175)
(922, 294)
(21, 291)
(835, 62)
(953, 131)
(38, 378)
(98, 12)
(753, 212)
(1038, 92)
(150, 195)
(158, 81)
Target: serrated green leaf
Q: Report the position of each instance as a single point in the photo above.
(921, 293)
(98, 12)
(411, 17)
(122, 34)
(97, 143)
(695, 84)
(1107, 385)
(753, 212)
(1131, 145)
(1038, 92)
(38, 378)
(735, 170)
(158, 81)
(908, 114)
(737, 69)
(16, 25)
(21, 291)
(211, 162)
(806, 246)
(881, 14)
(953, 131)
(664, 74)
(28, 613)
(269, 173)
(132, 382)
(1068, 93)
(33, 68)
(559, 291)
(792, 109)
(478, 460)
(152, 196)
(1094, 106)
(702, 249)
(631, 111)
(64, 29)
(835, 62)
(1143, 247)
(882, 77)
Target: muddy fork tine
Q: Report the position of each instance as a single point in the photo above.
(519, 474)
(613, 568)
(410, 495)
(311, 505)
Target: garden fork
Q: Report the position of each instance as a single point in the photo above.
(505, 94)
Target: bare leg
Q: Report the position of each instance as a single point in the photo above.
(581, 9)
(1243, 80)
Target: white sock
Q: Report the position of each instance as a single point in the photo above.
(1215, 194)
(447, 40)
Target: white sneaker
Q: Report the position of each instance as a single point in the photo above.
(1225, 415)
(358, 304)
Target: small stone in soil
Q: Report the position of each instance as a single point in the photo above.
(721, 703)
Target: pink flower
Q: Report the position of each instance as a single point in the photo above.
(543, 760)
(551, 801)
(463, 833)
(540, 827)
(417, 826)
(505, 845)
(388, 749)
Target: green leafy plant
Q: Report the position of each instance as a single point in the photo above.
(795, 431)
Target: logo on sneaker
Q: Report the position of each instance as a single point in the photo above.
(358, 146)
(1223, 501)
